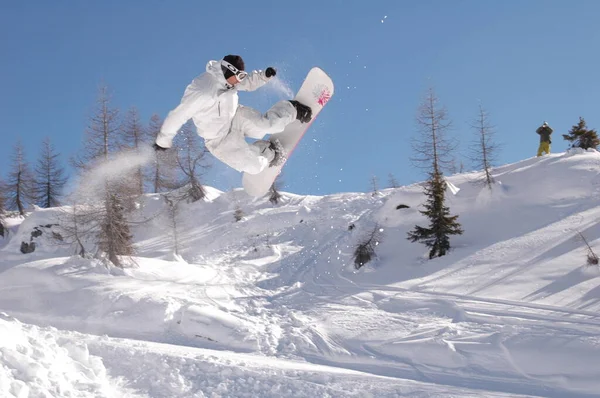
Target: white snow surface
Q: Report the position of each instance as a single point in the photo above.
(272, 306)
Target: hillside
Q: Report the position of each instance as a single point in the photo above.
(273, 306)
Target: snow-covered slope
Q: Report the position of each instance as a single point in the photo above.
(272, 305)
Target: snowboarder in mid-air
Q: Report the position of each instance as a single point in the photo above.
(211, 101)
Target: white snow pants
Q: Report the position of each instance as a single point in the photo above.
(233, 149)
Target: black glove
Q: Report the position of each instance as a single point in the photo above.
(270, 72)
(303, 112)
(158, 148)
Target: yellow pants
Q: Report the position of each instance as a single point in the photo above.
(544, 147)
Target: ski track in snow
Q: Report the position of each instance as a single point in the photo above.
(272, 305)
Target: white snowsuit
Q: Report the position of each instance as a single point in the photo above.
(213, 106)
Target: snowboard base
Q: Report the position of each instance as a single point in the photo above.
(316, 91)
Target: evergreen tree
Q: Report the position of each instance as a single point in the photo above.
(49, 177)
(441, 223)
(238, 214)
(19, 187)
(581, 137)
(365, 249)
(433, 151)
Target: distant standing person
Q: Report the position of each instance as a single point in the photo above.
(544, 132)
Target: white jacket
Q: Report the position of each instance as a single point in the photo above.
(210, 102)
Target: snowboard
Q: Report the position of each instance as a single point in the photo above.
(316, 91)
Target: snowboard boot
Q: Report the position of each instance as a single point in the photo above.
(272, 150)
(303, 112)
(280, 155)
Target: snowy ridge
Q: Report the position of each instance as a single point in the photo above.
(272, 305)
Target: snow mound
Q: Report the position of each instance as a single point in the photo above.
(34, 363)
(40, 228)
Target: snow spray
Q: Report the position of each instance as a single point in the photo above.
(281, 88)
(115, 168)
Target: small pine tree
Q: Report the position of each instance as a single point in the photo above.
(442, 224)
(365, 250)
(581, 137)
(238, 214)
(274, 195)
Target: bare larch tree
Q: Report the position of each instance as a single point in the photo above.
(101, 135)
(19, 186)
(112, 195)
(374, 185)
(2, 209)
(190, 157)
(77, 225)
(49, 178)
(431, 146)
(114, 237)
(483, 149)
(162, 173)
(392, 182)
(134, 137)
(173, 201)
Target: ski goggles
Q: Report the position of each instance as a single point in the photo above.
(240, 74)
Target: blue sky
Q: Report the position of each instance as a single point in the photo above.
(524, 61)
